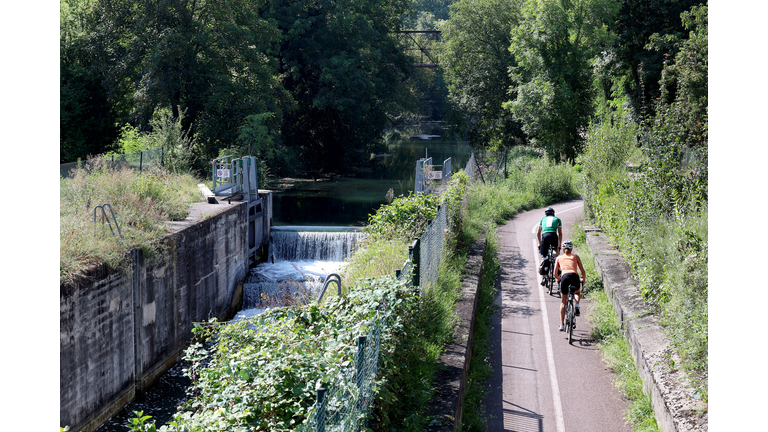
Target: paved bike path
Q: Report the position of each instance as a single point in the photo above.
(540, 382)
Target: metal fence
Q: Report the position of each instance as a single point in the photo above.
(344, 403)
(141, 161)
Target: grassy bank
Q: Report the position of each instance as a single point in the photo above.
(606, 329)
(142, 202)
(648, 192)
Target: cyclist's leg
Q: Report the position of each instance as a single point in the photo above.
(569, 283)
(547, 239)
(563, 301)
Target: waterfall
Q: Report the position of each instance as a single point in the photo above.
(300, 258)
(312, 245)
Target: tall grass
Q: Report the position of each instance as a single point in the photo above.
(606, 329)
(141, 201)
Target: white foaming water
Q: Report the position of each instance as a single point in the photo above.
(268, 282)
(313, 245)
(300, 261)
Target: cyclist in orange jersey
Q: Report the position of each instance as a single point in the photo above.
(569, 263)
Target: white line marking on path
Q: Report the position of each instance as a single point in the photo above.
(533, 231)
(548, 343)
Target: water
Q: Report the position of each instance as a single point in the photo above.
(349, 199)
(159, 401)
(300, 262)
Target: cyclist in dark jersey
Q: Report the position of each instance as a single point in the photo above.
(549, 232)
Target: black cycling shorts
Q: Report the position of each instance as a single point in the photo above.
(570, 280)
(547, 239)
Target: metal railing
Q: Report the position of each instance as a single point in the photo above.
(141, 161)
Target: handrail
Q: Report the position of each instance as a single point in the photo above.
(104, 213)
(328, 281)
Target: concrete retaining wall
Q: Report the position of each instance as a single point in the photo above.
(121, 331)
(673, 405)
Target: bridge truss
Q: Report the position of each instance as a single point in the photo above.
(421, 45)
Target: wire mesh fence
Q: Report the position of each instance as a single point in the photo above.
(343, 403)
(141, 161)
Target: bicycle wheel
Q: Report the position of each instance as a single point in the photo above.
(569, 314)
(550, 280)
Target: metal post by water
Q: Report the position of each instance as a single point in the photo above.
(415, 255)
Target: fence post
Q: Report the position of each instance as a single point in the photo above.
(141, 161)
(360, 360)
(414, 253)
(321, 388)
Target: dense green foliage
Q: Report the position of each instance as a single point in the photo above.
(553, 46)
(295, 82)
(476, 57)
(261, 373)
(538, 72)
(647, 185)
(404, 219)
(142, 202)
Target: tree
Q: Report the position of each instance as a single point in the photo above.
(88, 117)
(633, 25)
(343, 66)
(476, 57)
(213, 60)
(554, 46)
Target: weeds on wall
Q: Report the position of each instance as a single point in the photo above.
(142, 202)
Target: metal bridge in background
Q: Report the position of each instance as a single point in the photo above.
(420, 44)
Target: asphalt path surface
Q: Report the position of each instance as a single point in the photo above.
(540, 382)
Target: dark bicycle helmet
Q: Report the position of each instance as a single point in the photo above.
(549, 211)
(567, 245)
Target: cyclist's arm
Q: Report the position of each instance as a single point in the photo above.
(581, 267)
(538, 234)
(555, 270)
(559, 237)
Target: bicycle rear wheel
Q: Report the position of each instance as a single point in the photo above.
(550, 281)
(569, 317)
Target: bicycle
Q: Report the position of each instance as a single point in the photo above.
(550, 271)
(570, 315)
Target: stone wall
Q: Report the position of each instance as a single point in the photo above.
(121, 330)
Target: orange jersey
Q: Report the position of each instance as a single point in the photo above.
(568, 263)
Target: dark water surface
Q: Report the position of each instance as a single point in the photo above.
(348, 200)
(159, 401)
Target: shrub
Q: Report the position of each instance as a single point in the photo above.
(261, 374)
(405, 219)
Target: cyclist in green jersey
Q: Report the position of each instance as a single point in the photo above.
(549, 232)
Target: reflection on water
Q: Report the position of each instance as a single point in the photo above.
(348, 200)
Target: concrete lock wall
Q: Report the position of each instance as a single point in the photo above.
(110, 349)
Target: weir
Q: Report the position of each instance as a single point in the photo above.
(304, 243)
(300, 259)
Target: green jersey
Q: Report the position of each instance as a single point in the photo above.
(550, 224)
